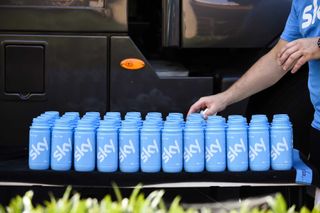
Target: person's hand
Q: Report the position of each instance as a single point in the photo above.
(213, 104)
(296, 53)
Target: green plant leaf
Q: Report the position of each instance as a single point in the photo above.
(117, 191)
(133, 197)
(304, 210)
(316, 209)
(15, 205)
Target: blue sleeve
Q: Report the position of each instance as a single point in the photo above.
(291, 31)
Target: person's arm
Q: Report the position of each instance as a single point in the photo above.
(264, 73)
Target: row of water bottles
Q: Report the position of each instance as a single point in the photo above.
(152, 145)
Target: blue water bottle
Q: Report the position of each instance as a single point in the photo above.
(259, 143)
(172, 147)
(193, 146)
(150, 147)
(39, 144)
(237, 145)
(61, 145)
(85, 146)
(215, 143)
(129, 149)
(281, 143)
(107, 146)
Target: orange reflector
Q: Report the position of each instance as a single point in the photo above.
(132, 64)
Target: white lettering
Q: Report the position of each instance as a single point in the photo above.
(36, 150)
(310, 14)
(168, 153)
(62, 151)
(84, 148)
(212, 149)
(105, 150)
(126, 150)
(192, 149)
(256, 149)
(146, 152)
(278, 148)
(234, 151)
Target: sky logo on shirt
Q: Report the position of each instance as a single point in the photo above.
(310, 14)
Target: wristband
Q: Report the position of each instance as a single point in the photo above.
(318, 42)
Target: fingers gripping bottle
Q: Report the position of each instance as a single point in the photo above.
(172, 147)
(150, 147)
(85, 146)
(39, 144)
(193, 146)
(215, 144)
(281, 142)
(259, 143)
(129, 149)
(107, 146)
(237, 145)
(61, 145)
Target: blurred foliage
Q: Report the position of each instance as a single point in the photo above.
(136, 203)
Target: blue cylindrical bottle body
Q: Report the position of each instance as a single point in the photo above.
(107, 148)
(259, 147)
(84, 148)
(129, 147)
(281, 146)
(194, 147)
(61, 148)
(172, 149)
(237, 148)
(215, 142)
(150, 148)
(39, 147)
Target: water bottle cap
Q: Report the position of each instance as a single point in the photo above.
(154, 114)
(133, 114)
(172, 124)
(175, 114)
(52, 113)
(194, 124)
(282, 115)
(216, 121)
(150, 124)
(109, 122)
(231, 117)
(62, 122)
(113, 115)
(258, 120)
(40, 121)
(194, 115)
(129, 124)
(72, 113)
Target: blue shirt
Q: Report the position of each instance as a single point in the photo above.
(304, 22)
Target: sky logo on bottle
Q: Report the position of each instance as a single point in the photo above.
(215, 147)
(172, 150)
(191, 150)
(148, 151)
(278, 148)
(105, 150)
(256, 149)
(84, 148)
(235, 150)
(61, 151)
(126, 150)
(38, 148)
